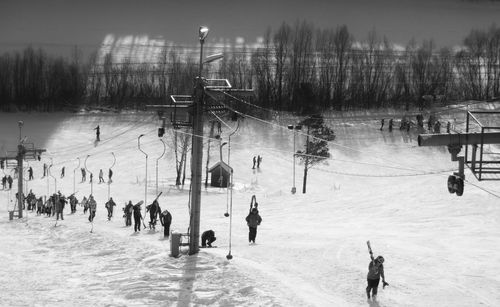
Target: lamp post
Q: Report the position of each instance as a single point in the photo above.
(146, 179)
(295, 128)
(197, 153)
(164, 149)
(74, 176)
(91, 176)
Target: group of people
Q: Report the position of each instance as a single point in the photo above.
(256, 161)
(101, 176)
(433, 124)
(7, 181)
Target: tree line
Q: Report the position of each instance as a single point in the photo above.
(297, 68)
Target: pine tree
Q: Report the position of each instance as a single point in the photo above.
(316, 147)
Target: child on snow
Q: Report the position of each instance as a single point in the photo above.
(375, 271)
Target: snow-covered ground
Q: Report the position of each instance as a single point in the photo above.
(440, 249)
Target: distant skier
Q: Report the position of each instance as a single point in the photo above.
(84, 174)
(62, 171)
(166, 220)
(110, 174)
(10, 180)
(101, 176)
(97, 133)
(30, 173)
(391, 122)
(92, 208)
(154, 210)
(59, 205)
(129, 209)
(39, 206)
(375, 271)
(207, 238)
(382, 124)
(44, 170)
(73, 201)
(259, 160)
(254, 161)
(109, 205)
(253, 220)
(4, 182)
(137, 217)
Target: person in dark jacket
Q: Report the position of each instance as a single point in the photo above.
(166, 220)
(253, 220)
(137, 217)
(129, 209)
(92, 208)
(207, 238)
(154, 210)
(375, 271)
(97, 133)
(109, 205)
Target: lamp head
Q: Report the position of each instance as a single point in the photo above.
(203, 32)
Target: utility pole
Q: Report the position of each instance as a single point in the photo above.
(25, 151)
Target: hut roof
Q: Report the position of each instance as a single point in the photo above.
(222, 164)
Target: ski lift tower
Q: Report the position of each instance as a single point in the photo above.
(480, 130)
(187, 111)
(25, 151)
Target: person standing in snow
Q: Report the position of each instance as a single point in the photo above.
(92, 208)
(9, 180)
(253, 220)
(97, 133)
(382, 124)
(154, 210)
(84, 174)
(254, 161)
(101, 176)
(109, 205)
(166, 220)
(110, 174)
(30, 173)
(62, 171)
(137, 217)
(44, 170)
(207, 238)
(129, 209)
(375, 271)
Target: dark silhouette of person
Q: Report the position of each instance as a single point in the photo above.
(97, 133)
(207, 238)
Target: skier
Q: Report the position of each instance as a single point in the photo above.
(39, 205)
(154, 210)
(59, 205)
(101, 176)
(62, 171)
(375, 271)
(207, 238)
(253, 220)
(44, 170)
(390, 125)
(166, 220)
(109, 205)
(129, 209)
(381, 124)
(85, 204)
(84, 175)
(137, 217)
(254, 161)
(110, 174)
(97, 133)
(92, 208)
(30, 173)
(10, 180)
(259, 160)
(73, 201)
(4, 182)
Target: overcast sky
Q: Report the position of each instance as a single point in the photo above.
(62, 23)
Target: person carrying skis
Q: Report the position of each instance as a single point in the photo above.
(253, 220)
(97, 133)
(154, 210)
(375, 271)
(129, 209)
(207, 238)
(92, 208)
(109, 205)
(137, 217)
(166, 220)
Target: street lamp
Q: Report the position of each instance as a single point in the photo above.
(146, 179)
(164, 149)
(295, 128)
